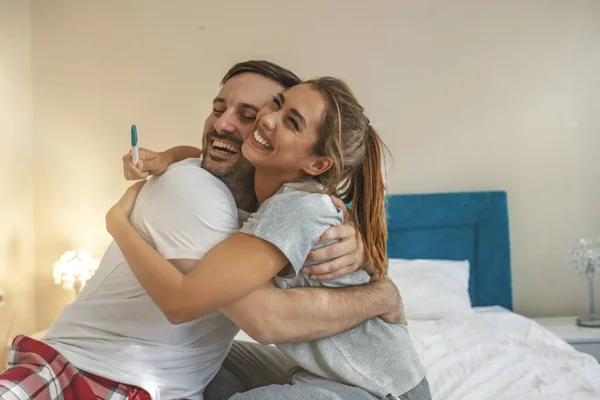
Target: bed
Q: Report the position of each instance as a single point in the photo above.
(450, 257)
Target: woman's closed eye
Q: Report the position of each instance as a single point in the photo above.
(294, 123)
(291, 120)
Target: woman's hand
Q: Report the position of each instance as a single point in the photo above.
(122, 210)
(150, 163)
(154, 163)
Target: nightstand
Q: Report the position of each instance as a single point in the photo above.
(585, 340)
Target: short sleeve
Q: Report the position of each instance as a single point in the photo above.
(185, 212)
(293, 221)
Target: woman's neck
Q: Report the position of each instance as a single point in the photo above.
(268, 182)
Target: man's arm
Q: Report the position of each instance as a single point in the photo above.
(271, 315)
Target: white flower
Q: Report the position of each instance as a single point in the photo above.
(585, 256)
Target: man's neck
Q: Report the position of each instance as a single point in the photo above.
(243, 194)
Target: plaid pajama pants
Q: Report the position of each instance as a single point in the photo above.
(38, 372)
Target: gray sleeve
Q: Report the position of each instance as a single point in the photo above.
(293, 221)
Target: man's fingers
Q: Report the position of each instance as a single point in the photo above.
(337, 202)
(332, 275)
(341, 232)
(331, 266)
(332, 251)
(342, 206)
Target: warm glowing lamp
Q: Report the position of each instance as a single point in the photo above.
(74, 269)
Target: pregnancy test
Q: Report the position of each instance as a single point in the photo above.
(134, 145)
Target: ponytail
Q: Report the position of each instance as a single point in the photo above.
(368, 198)
(356, 176)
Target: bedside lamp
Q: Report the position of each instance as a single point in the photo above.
(73, 270)
(585, 259)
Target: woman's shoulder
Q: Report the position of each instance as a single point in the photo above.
(307, 195)
(299, 204)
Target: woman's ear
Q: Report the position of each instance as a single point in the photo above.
(319, 165)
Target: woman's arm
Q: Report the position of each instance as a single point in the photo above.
(156, 163)
(180, 153)
(229, 271)
(232, 269)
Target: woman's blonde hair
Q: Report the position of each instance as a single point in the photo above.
(346, 135)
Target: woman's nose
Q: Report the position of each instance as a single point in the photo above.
(269, 121)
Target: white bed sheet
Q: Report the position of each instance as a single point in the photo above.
(502, 355)
(495, 354)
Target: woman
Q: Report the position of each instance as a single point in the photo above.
(311, 141)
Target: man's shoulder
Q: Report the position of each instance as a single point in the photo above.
(187, 189)
(195, 179)
(188, 162)
(185, 210)
(189, 168)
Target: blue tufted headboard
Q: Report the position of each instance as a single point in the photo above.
(457, 226)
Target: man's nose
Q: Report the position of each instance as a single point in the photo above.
(225, 123)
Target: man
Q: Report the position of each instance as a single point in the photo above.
(113, 342)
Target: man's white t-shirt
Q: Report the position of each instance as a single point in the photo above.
(113, 329)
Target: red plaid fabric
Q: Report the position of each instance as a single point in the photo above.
(37, 371)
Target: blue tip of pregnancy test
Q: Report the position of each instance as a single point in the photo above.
(134, 138)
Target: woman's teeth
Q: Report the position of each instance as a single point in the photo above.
(217, 144)
(261, 140)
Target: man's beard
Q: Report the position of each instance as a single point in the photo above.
(238, 172)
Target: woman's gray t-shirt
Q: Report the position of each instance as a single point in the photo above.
(376, 356)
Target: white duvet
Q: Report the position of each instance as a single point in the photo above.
(485, 356)
(500, 356)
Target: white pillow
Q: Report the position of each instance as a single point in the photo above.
(432, 289)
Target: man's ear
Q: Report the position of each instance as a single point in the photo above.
(319, 165)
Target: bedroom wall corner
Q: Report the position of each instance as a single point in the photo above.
(17, 264)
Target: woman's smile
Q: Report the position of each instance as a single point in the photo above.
(262, 139)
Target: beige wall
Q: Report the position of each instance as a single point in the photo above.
(17, 266)
(468, 94)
